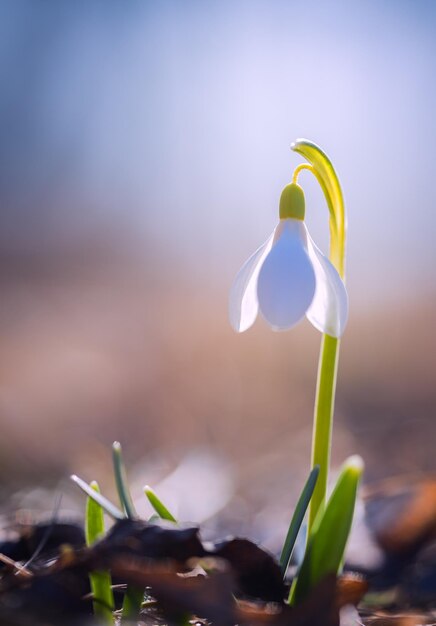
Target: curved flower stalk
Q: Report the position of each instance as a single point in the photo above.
(288, 278)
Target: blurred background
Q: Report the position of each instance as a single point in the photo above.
(144, 146)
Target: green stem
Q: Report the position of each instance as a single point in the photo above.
(322, 168)
(323, 420)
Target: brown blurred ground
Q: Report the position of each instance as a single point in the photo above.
(99, 346)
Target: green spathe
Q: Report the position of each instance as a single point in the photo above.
(292, 204)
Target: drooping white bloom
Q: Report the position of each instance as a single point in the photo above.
(287, 278)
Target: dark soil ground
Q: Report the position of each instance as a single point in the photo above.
(45, 572)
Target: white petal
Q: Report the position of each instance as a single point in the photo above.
(286, 283)
(243, 305)
(329, 309)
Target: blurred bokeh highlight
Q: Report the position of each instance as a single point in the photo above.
(144, 148)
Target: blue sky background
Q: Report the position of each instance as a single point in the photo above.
(172, 121)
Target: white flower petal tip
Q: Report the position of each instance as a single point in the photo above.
(328, 311)
(286, 283)
(243, 303)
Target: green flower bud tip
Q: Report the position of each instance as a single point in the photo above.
(292, 203)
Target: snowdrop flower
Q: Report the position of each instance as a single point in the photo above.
(288, 277)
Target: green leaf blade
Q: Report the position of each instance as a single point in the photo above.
(94, 526)
(121, 481)
(297, 519)
(328, 539)
(106, 504)
(158, 505)
(134, 596)
(132, 603)
(101, 583)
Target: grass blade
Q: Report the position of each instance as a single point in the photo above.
(101, 584)
(158, 505)
(110, 508)
(297, 519)
(327, 541)
(121, 481)
(94, 521)
(132, 603)
(134, 596)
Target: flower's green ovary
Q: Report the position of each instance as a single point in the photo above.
(322, 168)
(327, 541)
(297, 519)
(101, 584)
(158, 505)
(292, 203)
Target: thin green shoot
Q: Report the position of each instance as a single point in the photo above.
(297, 519)
(121, 481)
(134, 596)
(158, 505)
(110, 508)
(101, 584)
(132, 604)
